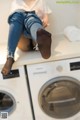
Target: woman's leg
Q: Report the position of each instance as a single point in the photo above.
(39, 35)
(33, 30)
(42, 39)
(15, 32)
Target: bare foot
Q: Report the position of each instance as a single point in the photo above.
(8, 65)
(44, 43)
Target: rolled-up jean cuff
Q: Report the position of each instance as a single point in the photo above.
(10, 54)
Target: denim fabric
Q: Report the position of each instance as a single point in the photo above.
(22, 22)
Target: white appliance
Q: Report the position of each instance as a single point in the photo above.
(14, 97)
(55, 89)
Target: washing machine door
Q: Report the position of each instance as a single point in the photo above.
(60, 97)
(7, 102)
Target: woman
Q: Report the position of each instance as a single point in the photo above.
(28, 17)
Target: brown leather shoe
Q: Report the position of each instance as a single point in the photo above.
(8, 65)
(44, 43)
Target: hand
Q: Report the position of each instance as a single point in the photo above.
(45, 21)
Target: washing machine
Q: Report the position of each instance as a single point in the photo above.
(55, 89)
(14, 97)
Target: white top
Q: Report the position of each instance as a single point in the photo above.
(39, 6)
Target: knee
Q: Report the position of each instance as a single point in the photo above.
(16, 17)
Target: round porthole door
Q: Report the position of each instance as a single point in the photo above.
(7, 102)
(60, 97)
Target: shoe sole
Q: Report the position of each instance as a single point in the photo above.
(44, 43)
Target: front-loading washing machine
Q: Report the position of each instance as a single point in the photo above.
(55, 89)
(14, 97)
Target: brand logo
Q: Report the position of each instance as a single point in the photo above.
(68, 1)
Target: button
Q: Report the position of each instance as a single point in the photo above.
(59, 68)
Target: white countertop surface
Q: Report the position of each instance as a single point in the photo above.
(61, 49)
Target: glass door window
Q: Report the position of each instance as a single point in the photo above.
(7, 102)
(60, 97)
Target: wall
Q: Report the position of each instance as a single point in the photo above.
(78, 15)
(62, 16)
(4, 11)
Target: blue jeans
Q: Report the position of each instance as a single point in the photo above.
(22, 22)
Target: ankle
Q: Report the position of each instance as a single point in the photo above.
(10, 59)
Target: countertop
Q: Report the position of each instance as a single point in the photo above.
(61, 48)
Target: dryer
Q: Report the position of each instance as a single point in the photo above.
(14, 97)
(55, 89)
